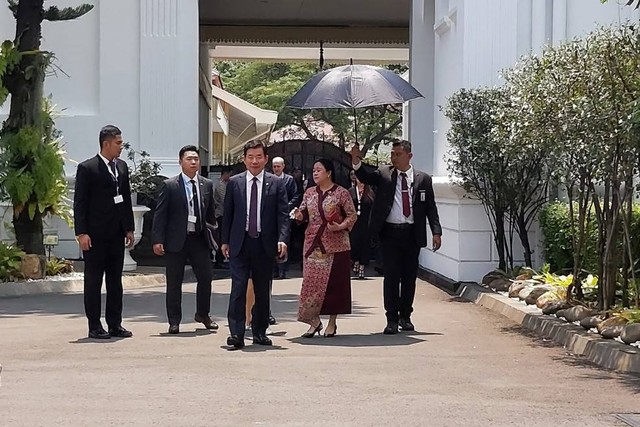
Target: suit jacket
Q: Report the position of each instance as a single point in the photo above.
(94, 211)
(172, 212)
(274, 213)
(292, 191)
(385, 179)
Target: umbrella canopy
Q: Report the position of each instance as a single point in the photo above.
(353, 86)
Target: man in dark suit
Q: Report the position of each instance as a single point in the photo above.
(404, 201)
(185, 206)
(255, 229)
(103, 219)
(277, 165)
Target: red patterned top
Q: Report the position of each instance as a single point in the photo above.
(316, 207)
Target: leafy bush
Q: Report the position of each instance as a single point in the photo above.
(56, 266)
(10, 260)
(555, 223)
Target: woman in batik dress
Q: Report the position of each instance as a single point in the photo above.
(326, 278)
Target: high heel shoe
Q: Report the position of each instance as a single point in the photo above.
(333, 334)
(315, 331)
(361, 272)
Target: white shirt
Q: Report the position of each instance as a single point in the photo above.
(189, 192)
(396, 216)
(259, 184)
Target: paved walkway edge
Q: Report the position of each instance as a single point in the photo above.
(608, 354)
(16, 289)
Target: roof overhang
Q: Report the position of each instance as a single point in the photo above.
(304, 22)
(244, 121)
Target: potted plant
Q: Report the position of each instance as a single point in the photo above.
(144, 174)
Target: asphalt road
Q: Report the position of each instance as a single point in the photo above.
(464, 366)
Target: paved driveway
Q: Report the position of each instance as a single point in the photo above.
(463, 367)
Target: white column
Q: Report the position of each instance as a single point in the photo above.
(168, 78)
(559, 29)
(421, 60)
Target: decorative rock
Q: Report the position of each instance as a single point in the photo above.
(560, 313)
(610, 322)
(612, 332)
(33, 266)
(590, 322)
(524, 292)
(631, 333)
(554, 307)
(500, 284)
(547, 297)
(578, 313)
(528, 274)
(491, 276)
(536, 293)
(515, 288)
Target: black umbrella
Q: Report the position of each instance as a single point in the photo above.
(353, 86)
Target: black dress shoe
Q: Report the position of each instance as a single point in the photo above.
(120, 332)
(174, 329)
(206, 321)
(236, 341)
(99, 334)
(272, 320)
(261, 340)
(391, 328)
(406, 325)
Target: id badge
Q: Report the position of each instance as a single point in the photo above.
(423, 196)
(192, 219)
(118, 199)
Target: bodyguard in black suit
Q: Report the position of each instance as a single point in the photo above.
(103, 220)
(185, 206)
(255, 230)
(404, 201)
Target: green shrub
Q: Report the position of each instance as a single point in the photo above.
(57, 266)
(556, 230)
(10, 260)
(555, 223)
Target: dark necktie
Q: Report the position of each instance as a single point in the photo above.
(196, 205)
(253, 210)
(112, 166)
(406, 206)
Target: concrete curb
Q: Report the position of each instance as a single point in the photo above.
(76, 285)
(605, 353)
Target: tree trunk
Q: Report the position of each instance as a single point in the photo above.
(524, 239)
(29, 232)
(25, 84)
(500, 241)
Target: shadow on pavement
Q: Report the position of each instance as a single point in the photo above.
(365, 340)
(591, 370)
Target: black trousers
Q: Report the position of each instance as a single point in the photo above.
(105, 258)
(252, 261)
(400, 253)
(196, 250)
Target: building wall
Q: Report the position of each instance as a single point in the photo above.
(129, 63)
(472, 41)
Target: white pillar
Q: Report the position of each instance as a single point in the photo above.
(421, 61)
(168, 78)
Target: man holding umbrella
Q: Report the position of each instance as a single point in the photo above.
(404, 201)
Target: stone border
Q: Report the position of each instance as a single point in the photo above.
(76, 285)
(608, 354)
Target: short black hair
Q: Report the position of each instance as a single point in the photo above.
(255, 144)
(328, 166)
(402, 143)
(189, 148)
(108, 132)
